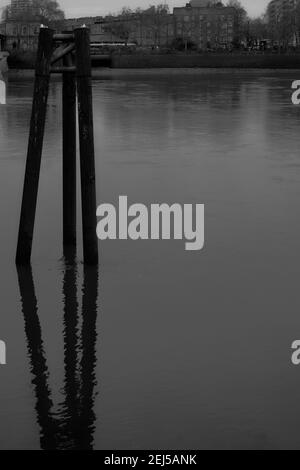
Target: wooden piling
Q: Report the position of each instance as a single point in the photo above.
(45, 59)
(69, 155)
(87, 153)
(34, 153)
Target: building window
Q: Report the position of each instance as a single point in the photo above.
(24, 30)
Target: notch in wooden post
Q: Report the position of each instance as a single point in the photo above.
(35, 145)
(87, 153)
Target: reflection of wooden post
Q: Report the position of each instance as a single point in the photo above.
(33, 164)
(87, 153)
(38, 362)
(89, 356)
(69, 155)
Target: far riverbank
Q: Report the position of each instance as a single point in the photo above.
(204, 60)
(207, 60)
(146, 73)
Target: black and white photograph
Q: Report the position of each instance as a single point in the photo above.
(149, 227)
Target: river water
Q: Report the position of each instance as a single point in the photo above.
(160, 348)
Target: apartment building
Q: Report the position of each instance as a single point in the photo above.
(210, 26)
(19, 6)
(20, 36)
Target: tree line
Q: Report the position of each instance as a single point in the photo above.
(282, 29)
(247, 30)
(42, 11)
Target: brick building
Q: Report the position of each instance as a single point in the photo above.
(95, 24)
(19, 6)
(153, 29)
(18, 33)
(20, 36)
(205, 26)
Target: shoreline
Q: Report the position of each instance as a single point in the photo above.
(234, 60)
(99, 73)
(237, 60)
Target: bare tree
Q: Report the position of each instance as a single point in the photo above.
(155, 20)
(283, 24)
(43, 11)
(47, 10)
(123, 24)
(6, 13)
(258, 29)
(133, 23)
(297, 23)
(241, 21)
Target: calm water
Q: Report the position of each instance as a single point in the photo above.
(160, 348)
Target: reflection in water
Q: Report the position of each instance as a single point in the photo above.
(73, 427)
(88, 361)
(70, 411)
(38, 363)
(229, 139)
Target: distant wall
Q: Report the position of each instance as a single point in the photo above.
(235, 60)
(22, 60)
(26, 60)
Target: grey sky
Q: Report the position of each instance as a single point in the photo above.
(77, 8)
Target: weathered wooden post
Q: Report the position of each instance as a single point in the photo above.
(87, 153)
(69, 154)
(82, 74)
(35, 145)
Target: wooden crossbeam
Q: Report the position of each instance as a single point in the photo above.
(61, 52)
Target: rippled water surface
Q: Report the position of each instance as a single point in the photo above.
(159, 348)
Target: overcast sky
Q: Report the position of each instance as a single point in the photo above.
(75, 8)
